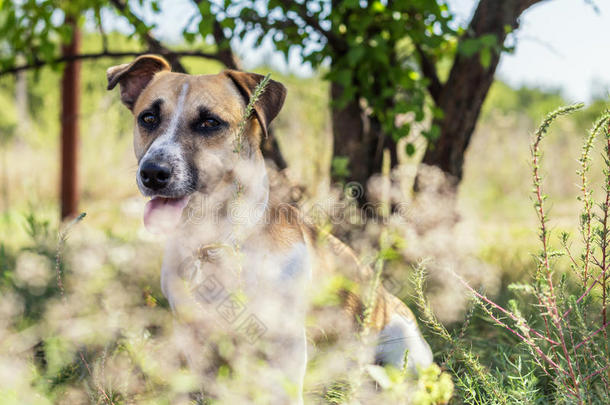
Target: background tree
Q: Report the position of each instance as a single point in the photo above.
(369, 49)
(461, 96)
(382, 55)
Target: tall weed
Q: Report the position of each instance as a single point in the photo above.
(558, 322)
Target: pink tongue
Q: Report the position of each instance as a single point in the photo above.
(163, 214)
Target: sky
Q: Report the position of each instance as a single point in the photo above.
(561, 44)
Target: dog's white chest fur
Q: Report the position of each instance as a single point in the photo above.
(256, 271)
(250, 293)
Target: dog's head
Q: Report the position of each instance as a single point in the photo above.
(186, 127)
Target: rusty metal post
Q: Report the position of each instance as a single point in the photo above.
(70, 91)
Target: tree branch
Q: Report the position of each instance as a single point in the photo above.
(301, 9)
(154, 44)
(467, 85)
(435, 87)
(528, 3)
(105, 54)
(224, 53)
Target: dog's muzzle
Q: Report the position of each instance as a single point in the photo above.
(155, 176)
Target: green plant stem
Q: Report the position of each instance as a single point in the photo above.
(551, 301)
(258, 92)
(585, 164)
(466, 355)
(604, 265)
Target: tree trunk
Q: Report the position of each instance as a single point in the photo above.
(462, 96)
(360, 139)
(350, 135)
(358, 135)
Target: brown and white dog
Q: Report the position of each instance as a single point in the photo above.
(236, 259)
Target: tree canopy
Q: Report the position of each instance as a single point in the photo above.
(368, 46)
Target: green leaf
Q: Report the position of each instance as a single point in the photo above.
(378, 7)
(205, 28)
(340, 167)
(228, 23)
(433, 133)
(204, 8)
(351, 4)
(469, 47)
(389, 254)
(438, 113)
(410, 149)
(188, 37)
(485, 57)
(488, 40)
(343, 77)
(354, 55)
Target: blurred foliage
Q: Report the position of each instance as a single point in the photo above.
(340, 167)
(105, 336)
(369, 46)
(536, 102)
(34, 30)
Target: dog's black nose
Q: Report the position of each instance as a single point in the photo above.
(155, 176)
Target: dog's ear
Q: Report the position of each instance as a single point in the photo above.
(270, 102)
(134, 77)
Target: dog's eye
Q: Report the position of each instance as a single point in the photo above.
(149, 120)
(209, 123)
